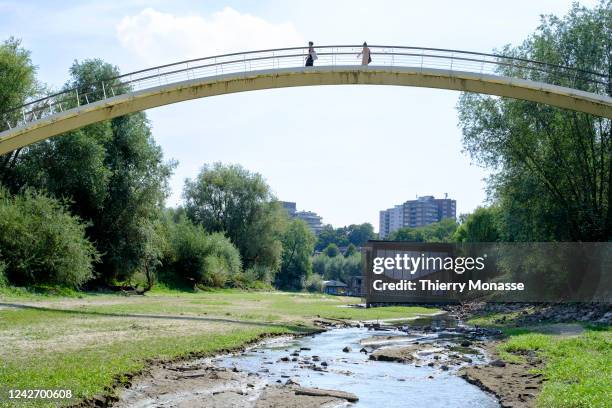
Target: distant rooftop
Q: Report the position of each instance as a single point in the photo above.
(334, 283)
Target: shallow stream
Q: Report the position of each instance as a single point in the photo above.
(376, 383)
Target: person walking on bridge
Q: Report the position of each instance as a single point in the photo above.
(312, 55)
(365, 55)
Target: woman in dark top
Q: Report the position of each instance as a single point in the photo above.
(312, 55)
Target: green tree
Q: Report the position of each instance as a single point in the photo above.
(17, 85)
(479, 226)
(331, 250)
(298, 245)
(350, 250)
(17, 77)
(330, 235)
(441, 231)
(153, 247)
(112, 173)
(407, 234)
(359, 234)
(232, 200)
(338, 267)
(356, 234)
(319, 264)
(552, 167)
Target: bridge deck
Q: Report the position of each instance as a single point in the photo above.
(337, 65)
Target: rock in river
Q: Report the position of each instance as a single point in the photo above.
(401, 354)
(317, 392)
(497, 363)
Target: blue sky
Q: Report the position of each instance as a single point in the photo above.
(345, 152)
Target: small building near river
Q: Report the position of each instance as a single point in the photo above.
(334, 287)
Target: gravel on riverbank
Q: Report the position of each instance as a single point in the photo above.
(529, 314)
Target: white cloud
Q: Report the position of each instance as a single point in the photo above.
(157, 37)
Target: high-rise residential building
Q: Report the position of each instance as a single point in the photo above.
(391, 220)
(290, 207)
(311, 218)
(416, 213)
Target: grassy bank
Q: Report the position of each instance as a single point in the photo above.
(577, 360)
(85, 343)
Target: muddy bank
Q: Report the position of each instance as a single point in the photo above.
(126, 381)
(512, 383)
(200, 385)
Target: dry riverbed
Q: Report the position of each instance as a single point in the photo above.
(113, 350)
(432, 355)
(96, 344)
(367, 366)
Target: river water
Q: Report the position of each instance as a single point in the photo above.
(376, 383)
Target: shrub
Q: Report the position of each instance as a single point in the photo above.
(350, 250)
(206, 259)
(337, 267)
(260, 273)
(3, 280)
(314, 283)
(331, 250)
(256, 277)
(41, 243)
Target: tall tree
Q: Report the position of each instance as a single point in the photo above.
(17, 85)
(17, 78)
(552, 167)
(441, 231)
(232, 200)
(356, 234)
(479, 226)
(298, 245)
(112, 173)
(331, 235)
(359, 234)
(407, 234)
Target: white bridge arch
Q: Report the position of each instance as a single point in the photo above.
(281, 68)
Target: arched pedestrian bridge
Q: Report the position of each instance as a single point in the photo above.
(560, 86)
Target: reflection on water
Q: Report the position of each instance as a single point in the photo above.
(438, 321)
(377, 384)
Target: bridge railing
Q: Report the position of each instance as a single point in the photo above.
(328, 56)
